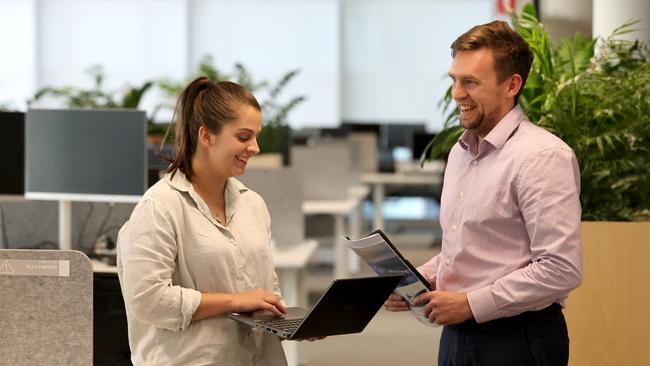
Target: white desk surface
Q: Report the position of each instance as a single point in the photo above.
(402, 178)
(101, 267)
(12, 198)
(295, 256)
(332, 207)
(359, 191)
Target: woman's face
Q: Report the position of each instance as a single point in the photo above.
(229, 151)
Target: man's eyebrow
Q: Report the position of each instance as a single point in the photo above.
(462, 76)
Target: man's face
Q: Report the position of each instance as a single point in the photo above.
(481, 99)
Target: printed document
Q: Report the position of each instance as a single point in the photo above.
(382, 256)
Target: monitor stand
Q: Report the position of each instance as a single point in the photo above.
(65, 225)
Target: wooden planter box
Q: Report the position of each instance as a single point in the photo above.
(609, 314)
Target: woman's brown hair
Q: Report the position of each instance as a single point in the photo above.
(203, 103)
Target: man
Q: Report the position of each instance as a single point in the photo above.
(510, 216)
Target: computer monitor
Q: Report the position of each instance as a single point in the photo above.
(333, 132)
(419, 141)
(362, 127)
(156, 165)
(399, 134)
(12, 151)
(85, 155)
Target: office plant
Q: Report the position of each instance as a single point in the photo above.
(275, 134)
(4, 107)
(97, 96)
(595, 95)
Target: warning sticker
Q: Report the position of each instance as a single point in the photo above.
(30, 267)
(5, 267)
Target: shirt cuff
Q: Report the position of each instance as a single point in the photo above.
(482, 305)
(190, 302)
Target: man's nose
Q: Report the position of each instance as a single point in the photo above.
(457, 91)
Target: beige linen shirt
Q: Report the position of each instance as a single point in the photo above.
(170, 251)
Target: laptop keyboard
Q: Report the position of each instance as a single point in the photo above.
(287, 325)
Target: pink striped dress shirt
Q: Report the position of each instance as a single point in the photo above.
(510, 217)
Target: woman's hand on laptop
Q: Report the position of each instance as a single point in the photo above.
(396, 303)
(258, 299)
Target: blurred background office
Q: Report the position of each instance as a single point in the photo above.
(354, 84)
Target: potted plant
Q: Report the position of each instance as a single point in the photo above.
(276, 134)
(595, 95)
(97, 96)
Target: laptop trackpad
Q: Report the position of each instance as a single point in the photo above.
(292, 313)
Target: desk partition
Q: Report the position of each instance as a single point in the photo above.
(46, 304)
(281, 189)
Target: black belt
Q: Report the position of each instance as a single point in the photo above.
(512, 320)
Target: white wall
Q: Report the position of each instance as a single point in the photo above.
(396, 56)
(360, 60)
(609, 15)
(272, 37)
(135, 41)
(17, 63)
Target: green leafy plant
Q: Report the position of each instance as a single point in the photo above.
(96, 96)
(595, 95)
(275, 134)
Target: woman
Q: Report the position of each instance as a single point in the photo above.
(197, 245)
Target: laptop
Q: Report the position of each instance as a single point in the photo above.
(346, 307)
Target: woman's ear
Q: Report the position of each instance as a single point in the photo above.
(205, 137)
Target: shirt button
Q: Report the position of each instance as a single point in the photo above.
(475, 163)
(447, 261)
(232, 240)
(454, 227)
(461, 194)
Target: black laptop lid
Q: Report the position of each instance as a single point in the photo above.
(347, 306)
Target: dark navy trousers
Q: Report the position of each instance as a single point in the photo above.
(534, 338)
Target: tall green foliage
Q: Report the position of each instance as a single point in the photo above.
(594, 95)
(275, 133)
(96, 96)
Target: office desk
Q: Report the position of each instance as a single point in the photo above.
(379, 181)
(340, 210)
(291, 264)
(110, 328)
(101, 267)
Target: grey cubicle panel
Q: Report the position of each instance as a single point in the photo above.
(46, 307)
(365, 154)
(325, 168)
(282, 191)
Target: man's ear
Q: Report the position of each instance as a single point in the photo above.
(205, 137)
(514, 85)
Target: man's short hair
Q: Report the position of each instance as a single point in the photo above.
(512, 55)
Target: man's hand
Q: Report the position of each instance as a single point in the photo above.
(396, 303)
(445, 307)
